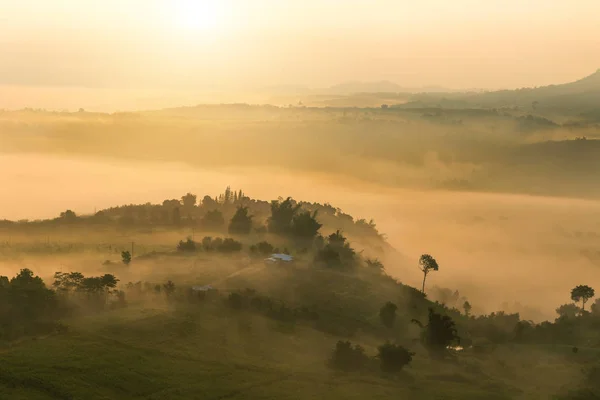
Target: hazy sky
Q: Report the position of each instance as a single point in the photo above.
(242, 43)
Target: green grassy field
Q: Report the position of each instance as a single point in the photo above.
(155, 349)
(152, 353)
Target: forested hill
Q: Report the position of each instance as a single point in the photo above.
(298, 219)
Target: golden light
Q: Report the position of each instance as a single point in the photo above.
(198, 15)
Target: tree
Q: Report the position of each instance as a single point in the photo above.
(467, 307)
(241, 222)
(99, 284)
(387, 314)
(393, 357)
(336, 251)
(264, 248)
(207, 243)
(169, 288)
(375, 264)
(439, 333)
(126, 257)
(229, 246)
(596, 307)
(25, 301)
(213, 220)
(68, 216)
(567, 311)
(282, 215)
(305, 225)
(67, 281)
(209, 202)
(582, 293)
(347, 357)
(427, 264)
(189, 201)
(188, 246)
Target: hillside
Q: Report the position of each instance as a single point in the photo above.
(574, 98)
(104, 323)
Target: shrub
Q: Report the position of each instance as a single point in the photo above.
(393, 357)
(264, 248)
(347, 357)
(207, 243)
(188, 246)
(126, 257)
(387, 314)
(374, 264)
(229, 246)
(235, 301)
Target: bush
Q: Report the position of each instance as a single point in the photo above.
(264, 248)
(393, 357)
(235, 301)
(207, 243)
(347, 357)
(229, 246)
(188, 246)
(387, 314)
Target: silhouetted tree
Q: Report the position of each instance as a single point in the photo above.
(229, 246)
(467, 307)
(582, 293)
(375, 264)
(207, 243)
(189, 201)
(596, 307)
(188, 246)
(387, 314)
(427, 264)
(264, 248)
(25, 301)
(305, 225)
(347, 357)
(213, 220)
(99, 284)
(209, 203)
(336, 252)
(169, 288)
(568, 311)
(241, 222)
(439, 333)
(282, 215)
(393, 357)
(126, 257)
(68, 216)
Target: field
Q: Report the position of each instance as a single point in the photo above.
(159, 350)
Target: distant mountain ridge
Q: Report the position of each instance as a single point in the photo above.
(580, 96)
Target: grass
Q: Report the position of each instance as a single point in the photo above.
(208, 352)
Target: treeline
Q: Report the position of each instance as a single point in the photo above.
(232, 212)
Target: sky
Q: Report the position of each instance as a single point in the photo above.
(203, 44)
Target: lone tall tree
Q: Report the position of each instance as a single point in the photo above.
(582, 293)
(427, 264)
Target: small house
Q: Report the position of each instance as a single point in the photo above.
(279, 259)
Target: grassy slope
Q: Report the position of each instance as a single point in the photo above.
(205, 351)
(155, 354)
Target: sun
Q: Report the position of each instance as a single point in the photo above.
(197, 15)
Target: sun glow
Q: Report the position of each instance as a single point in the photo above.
(198, 15)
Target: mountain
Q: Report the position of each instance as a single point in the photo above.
(576, 98)
(380, 87)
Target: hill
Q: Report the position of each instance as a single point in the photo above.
(575, 98)
(138, 327)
